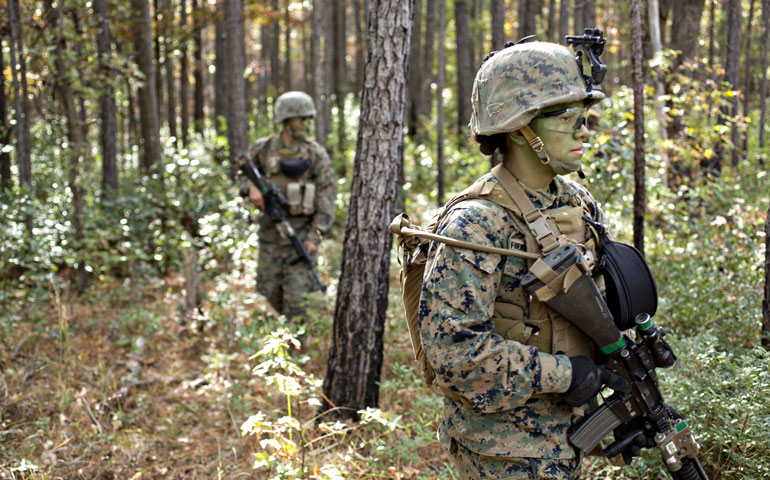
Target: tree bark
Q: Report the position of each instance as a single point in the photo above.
(551, 27)
(199, 117)
(220, 66)
(158, 39)
(319, 90)
(360, 17)
(76, 147)
(235, 85)
(477, 33)
(711, 32)
(107, 101)
(415, 73)
(356, 356)
(168, 64)
(275, 61)
(577, 13)
(589, 14)
(685, 29)
(20, 102)
(732, 66)
(287, 75)
(497, 14)
(440, 82)
(184, 74)
(328, 67)
(654, 20)
(340, 79)
(464, 69)
(638, 75)
(527, 13)
(148, 96)
(428, 47)
(763, 90)
(766, 296)
(563, 20)
(5, 132)
(747, 75)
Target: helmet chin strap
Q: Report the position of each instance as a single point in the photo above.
(539, 148)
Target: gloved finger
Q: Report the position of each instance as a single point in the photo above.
(614, 381)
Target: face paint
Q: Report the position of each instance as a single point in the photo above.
(563, 134)
(298, 127)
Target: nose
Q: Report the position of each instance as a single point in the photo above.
(581, 133)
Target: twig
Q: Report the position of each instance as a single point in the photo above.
(91, 414)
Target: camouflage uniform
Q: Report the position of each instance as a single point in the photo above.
(502, 417)
(281, 281)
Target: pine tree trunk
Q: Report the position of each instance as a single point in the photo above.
(356, 354)
(20, 101)
(235, 85)
(577, 13)
(168, 63)
(589, 14)
(415, 73)
(319, 91)
(360, 16)
(220, 65)
(732, 66)
(5, 133)
(747, 75)
(477, 32)
(638, 74)
(564, 12)
(527, 13)
(159, 33)
(440, 83)
(76, 147)
(328, 67)
(184, 74)
(685, 29)
(275, 38)
(464, 69)
(763, 90)
(497, 14)
(711, 32)
(766, 297)
(551, 30)
(107, 101)
(654, 20)
(287, 75)
(428, 47)
(199, 116)
(148, 96)
(340, 79)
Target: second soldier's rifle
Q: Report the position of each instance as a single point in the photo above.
(274, 209)
(562, 282)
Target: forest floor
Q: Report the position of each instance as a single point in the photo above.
(115, 385)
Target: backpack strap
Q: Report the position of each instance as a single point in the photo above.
(543, 228)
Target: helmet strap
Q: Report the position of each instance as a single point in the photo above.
(536, 144)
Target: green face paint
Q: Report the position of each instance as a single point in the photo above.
(298, 127)
(563, 135)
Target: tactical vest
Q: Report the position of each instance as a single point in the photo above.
(290, 173)
(517, 316)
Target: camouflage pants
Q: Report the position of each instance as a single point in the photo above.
(473, 466)
(282, 283)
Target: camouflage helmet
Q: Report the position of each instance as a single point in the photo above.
(293, 104)
(514, 85)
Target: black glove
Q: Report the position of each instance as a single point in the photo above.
(588, 378)
(630, 439)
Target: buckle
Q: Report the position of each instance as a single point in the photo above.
(540, 228)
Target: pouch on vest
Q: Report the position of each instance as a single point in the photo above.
(562, 281)
(631, 287)
(294, 167)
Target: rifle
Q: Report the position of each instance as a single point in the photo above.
(274, 209)
(640, 413)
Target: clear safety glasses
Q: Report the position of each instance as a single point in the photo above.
(564, 120)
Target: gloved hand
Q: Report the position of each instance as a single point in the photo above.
(588, 378)
(630, 439)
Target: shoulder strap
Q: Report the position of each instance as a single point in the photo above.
(543, 228)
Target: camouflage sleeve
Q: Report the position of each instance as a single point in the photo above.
(241, 180)
(597, 215)
(326, 190)
(456, 325)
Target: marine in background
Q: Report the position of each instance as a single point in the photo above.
(301, 169)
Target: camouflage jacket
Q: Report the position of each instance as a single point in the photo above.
(320, 173)
(512, 407)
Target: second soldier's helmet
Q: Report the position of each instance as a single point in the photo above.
(293, 104)
(515, 84)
